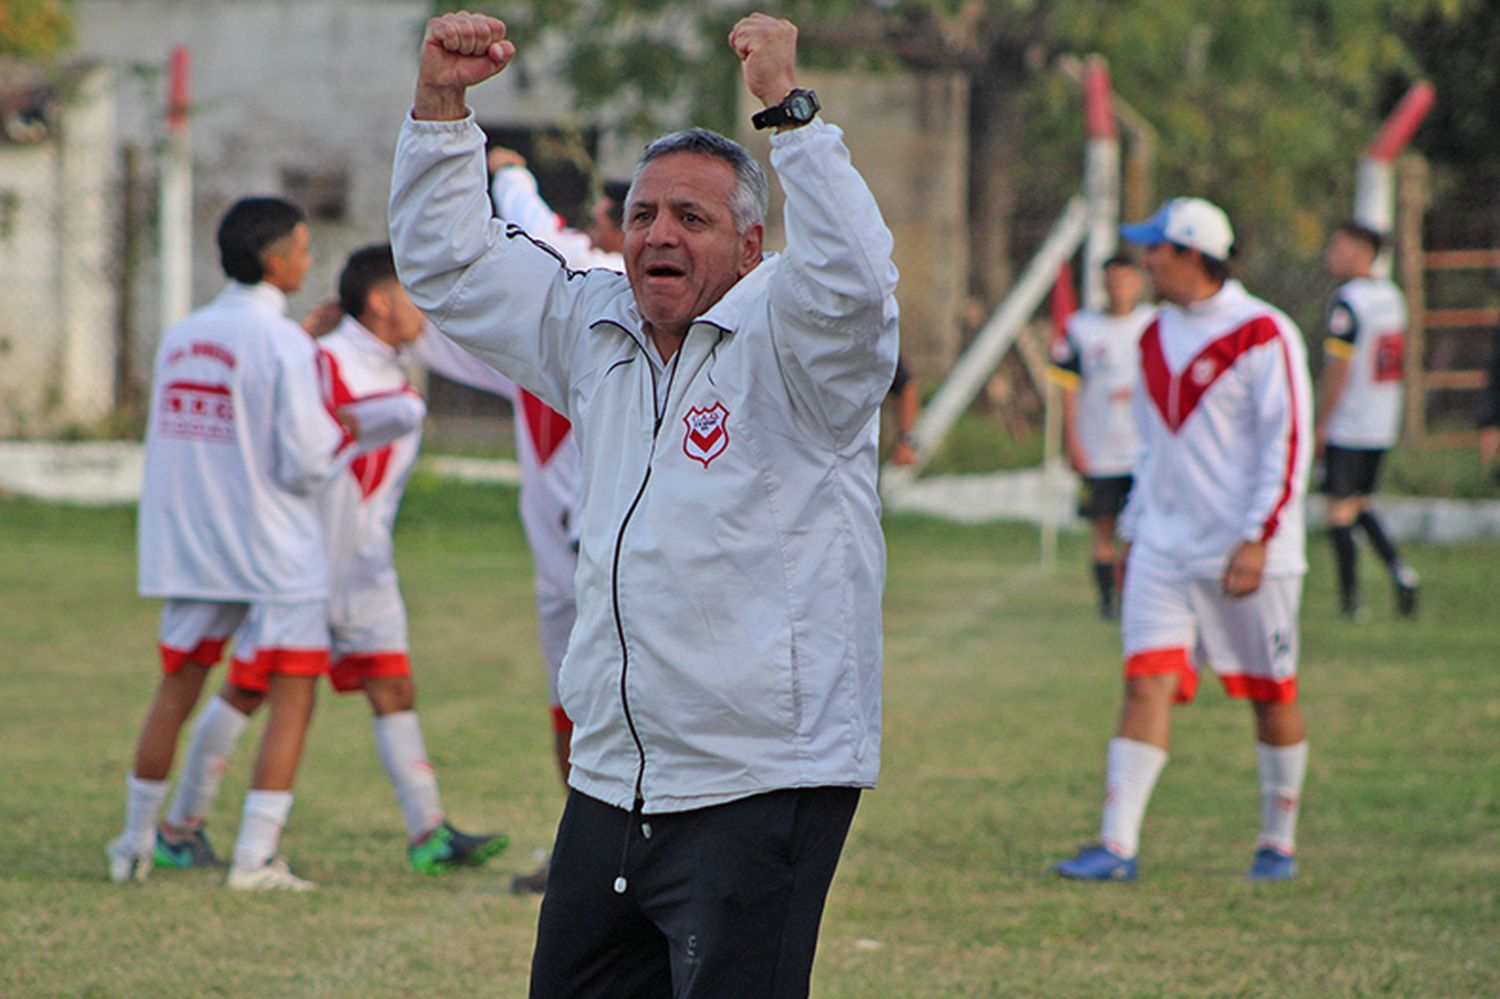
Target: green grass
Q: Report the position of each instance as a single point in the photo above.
(1001, 690)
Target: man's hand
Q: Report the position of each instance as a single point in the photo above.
(323, 318)
(458, 51)
(1077, 458)
(1246, 565)
(501, 157)
(767, 47)
(1489, 447)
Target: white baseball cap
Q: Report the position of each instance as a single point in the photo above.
(1191, 222)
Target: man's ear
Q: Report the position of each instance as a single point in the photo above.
(751, 243)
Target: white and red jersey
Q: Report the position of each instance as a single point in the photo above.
(551, 466)
(1223, 409)
(238, 441)
(1098, 356)
(514, 194)
(1367, 327)
(359, 506)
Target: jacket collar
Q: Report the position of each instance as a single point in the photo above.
(1230, 294)
(360, 336)
(262, 296)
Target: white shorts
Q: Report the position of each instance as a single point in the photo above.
(369, 637)
(280, 638)
(196, 631)
(1174, 624)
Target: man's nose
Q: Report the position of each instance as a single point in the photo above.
(663, 230)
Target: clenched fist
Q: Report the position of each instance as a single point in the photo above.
(767, 47)
(458, 51)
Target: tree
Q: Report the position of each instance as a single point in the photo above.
(1263, 107)
(34, 29)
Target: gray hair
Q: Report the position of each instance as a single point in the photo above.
(751, 190)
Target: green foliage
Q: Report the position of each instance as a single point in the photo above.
(35, 29)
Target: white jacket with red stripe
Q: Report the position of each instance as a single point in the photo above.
(359, 506)
(1223, 406)
(238, 441)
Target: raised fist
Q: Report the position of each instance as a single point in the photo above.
(767, 47)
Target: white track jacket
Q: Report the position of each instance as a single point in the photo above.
(731, 561)
(238, 440)
(1224, 411)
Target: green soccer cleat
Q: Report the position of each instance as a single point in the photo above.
(192, 851)
(445, 848)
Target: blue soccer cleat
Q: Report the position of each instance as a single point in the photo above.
(1272, 865)
(1096, 862)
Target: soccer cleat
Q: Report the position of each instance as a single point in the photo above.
(192, 851)
(1408, 586)
(125, 864)
(445, 848)
(1096, 862)
(272, 876)
(534, 883)
(1271, 865)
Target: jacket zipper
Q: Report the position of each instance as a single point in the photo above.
(659, 407)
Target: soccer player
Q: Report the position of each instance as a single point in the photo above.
(1360, 408)
(1095, 362)
(238, 441)
(1215, 530)
(367, 616)
(723, 676)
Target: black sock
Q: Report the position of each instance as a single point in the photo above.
(1104, 579)
(1343, 551)
(1379, 541)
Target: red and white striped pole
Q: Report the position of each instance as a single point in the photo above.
(1375, 181)
(1101, 178)
(176, 212)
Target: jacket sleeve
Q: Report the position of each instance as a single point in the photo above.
(833, 306)
(309, 445)
(1281, 396)
(386, 418)
(500, 294)
(437, 353)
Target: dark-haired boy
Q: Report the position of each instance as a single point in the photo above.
(1360, 408)
(238, 441)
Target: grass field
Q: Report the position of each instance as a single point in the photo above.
(1000, 688)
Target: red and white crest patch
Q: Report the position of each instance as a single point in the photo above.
(707, 432)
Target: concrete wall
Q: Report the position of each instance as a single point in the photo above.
(908, 136)
(279, 85)
(57, 295)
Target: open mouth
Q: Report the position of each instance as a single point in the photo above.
(665, 271)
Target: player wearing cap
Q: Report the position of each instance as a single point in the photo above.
(1215, 531)
(362, 360)
(1095, 362)
(1360, 411)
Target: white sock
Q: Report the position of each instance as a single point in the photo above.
(260, 829)
(143, 800)
(398, 739)
(215, 735)
(1130, 773)
(1282, 769)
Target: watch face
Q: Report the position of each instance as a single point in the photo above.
(800, 108)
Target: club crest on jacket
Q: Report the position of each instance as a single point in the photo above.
(707, 433)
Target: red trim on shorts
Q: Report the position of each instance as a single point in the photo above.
(349, 673)
(560, 720)
(256, 674)
(206, 653)
(1156, 662)
(1260, 688)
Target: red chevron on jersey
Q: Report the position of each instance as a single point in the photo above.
(1176, 396)
(548, 427)
(368, 469)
